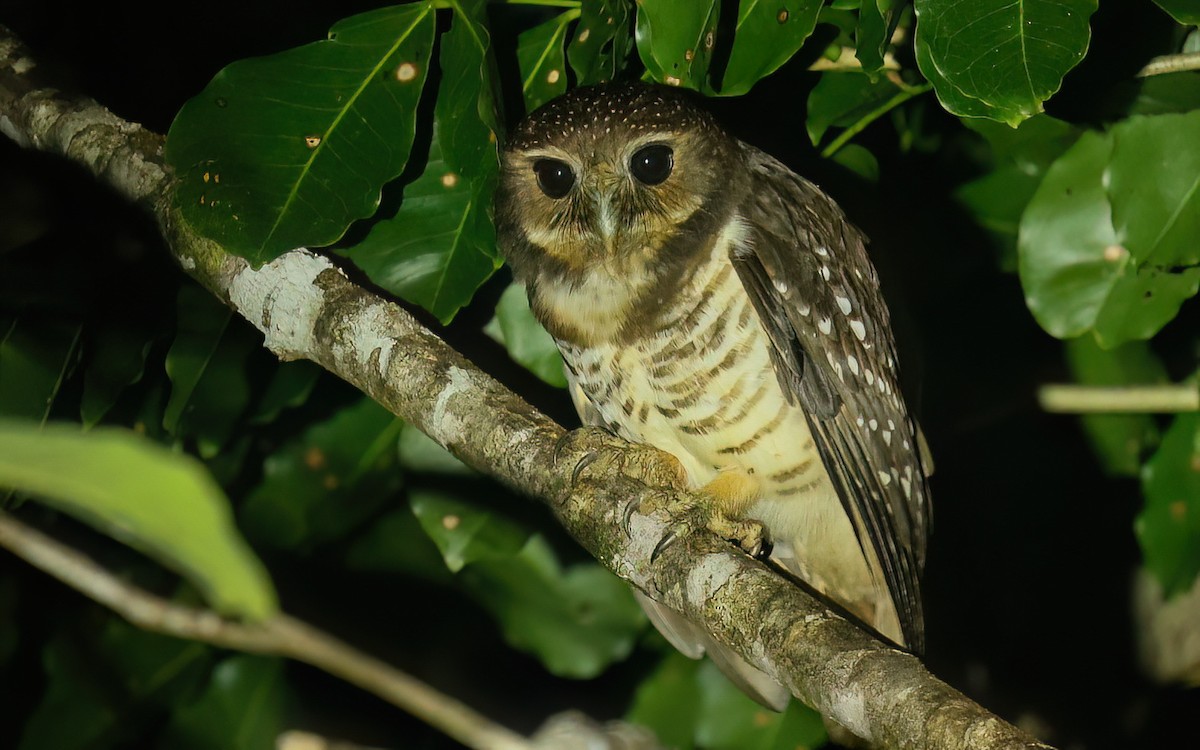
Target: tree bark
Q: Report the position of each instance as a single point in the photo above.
(307, 308)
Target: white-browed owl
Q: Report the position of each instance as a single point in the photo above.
(712, 303)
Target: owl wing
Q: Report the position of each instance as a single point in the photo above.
(816, 293)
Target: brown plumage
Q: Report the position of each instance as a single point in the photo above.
(712, 303)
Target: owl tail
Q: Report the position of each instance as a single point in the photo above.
(694, 642)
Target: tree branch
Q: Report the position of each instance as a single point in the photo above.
(307, 308)
(1163, 398)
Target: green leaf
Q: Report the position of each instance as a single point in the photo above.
(576, 621)
(527, 342)
(290, 386)
(75, 712)
(842, 99)
(207, 365)
(1000, 61)
(150, 498)
(288, 150)
(676, 40)
(602, 41)
(1107, 245)
(1157, 95)
(1183, 11)
(1168, 528)
(242, 709)
(441, 245)
(396, 543)
(541, 58)
(330, 479)
(463, 532)
(691, 704)
(34, 359)
(858, 160)
(116, 360)
(871, 36)
(1119, 440)
(767, 35)
(419, 453)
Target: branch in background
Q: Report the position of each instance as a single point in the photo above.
(279, 636)
(1143, 399)
(1171, 64)
(307, 308)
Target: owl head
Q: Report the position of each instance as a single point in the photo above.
(621, 179)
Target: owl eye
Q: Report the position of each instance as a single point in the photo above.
(652, 165)
(554, 177)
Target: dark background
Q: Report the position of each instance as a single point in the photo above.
(1031, 562)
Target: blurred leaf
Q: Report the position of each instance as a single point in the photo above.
(441, 244)
(152, 667)
(1157, 95)
(328, 480)
(116, 361)
(242, 709)
(75, 712)
(691, 704)
(676, 40)
(858, 160)
(1020, 157)
(419, 453)
(842, 99)
(577, 621)
(150, 498)
(207, 367)
(1119, 440)
(465, 533)
(767, 35)
(541, 58)
(290, 386)
(1168, 528)
(34, 358)
(1183, 11)
(1107, 245)
(1000, 61)
(668, 701)
(288, 150)
(602, 41)
(527, 342)
(396, 543)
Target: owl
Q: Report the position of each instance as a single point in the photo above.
(710, 302)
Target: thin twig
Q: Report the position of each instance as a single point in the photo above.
(895, 101)
(1142, 399)
(281, 636)
(1180, 63)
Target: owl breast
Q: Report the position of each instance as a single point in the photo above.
(702, 387)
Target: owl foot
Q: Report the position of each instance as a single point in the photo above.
(748, 534)
(604, 453)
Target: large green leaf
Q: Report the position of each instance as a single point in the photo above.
(875, 19)
(691, 704)
(527, 342)
(1119, 440)
(676, 40)
(288, 150)
(1107, 245)
(1168, 528)
(328, 480)
(766, 36)
(441, 244)
(542, 60)
(1000, 61)
(602, 41)
(160, 502)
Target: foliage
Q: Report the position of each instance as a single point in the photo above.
(379, 142)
